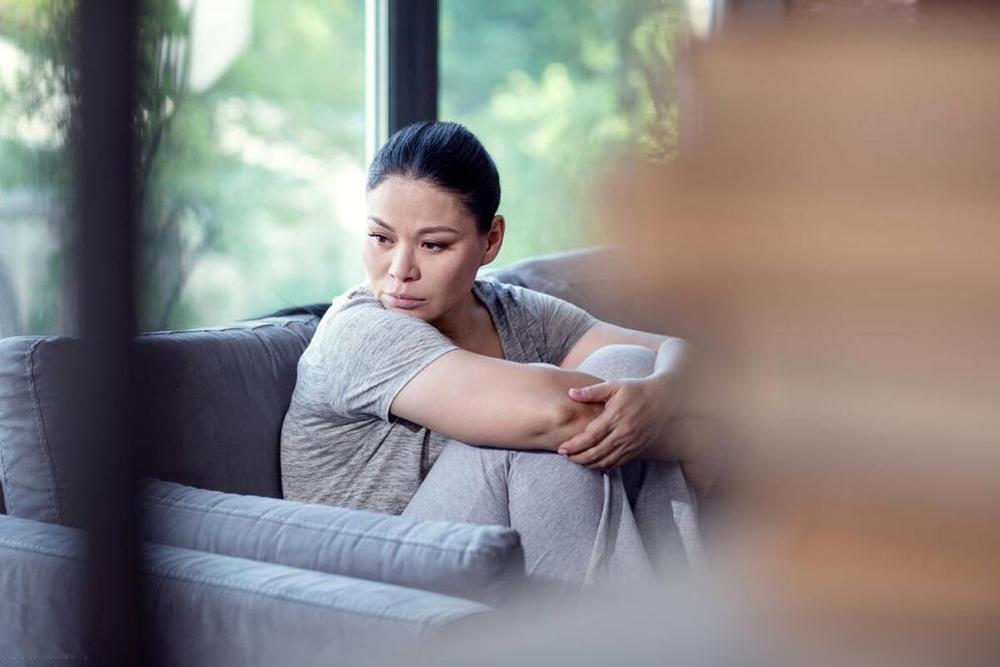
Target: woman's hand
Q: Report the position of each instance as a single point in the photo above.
(634, 416)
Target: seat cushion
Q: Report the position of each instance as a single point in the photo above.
(210, 412)
(484, 563)
(209, 609)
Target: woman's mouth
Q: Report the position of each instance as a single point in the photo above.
(403, 301)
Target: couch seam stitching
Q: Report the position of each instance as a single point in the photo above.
(36, 549)
(40, 424)
(289, 325)
(173, 573)
(3, 476)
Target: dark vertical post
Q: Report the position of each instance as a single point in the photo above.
(413, 62)
(106, 238)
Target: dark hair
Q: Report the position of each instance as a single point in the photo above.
(448, 156)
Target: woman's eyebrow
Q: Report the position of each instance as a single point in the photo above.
(425, 230)
(380, 222)
(431, 230)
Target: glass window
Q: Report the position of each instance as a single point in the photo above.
(252, 134)
(254, 150)
(251, 123)
(554, 89)
(35, 167)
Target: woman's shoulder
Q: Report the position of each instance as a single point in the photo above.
(360, 295)
(501, 291)
(350, 311)
(515, 296)
(356, 321)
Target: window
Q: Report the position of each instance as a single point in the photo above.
(252, 127)
(35, 167)
(256, 189)
(554, 90)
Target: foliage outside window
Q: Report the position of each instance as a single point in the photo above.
(251, 124)
(555, 90)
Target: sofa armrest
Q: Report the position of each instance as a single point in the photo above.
(484, 563)
(207, 609)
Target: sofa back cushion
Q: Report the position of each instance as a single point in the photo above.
(603, 280)
(221, 394)
(217, 401)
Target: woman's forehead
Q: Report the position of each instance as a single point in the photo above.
(408, 202)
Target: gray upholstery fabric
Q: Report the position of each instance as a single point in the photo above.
(217, 397)
(484, 563)
(214, 610)
(34, 428)
(216, 400)
(601, 280)
(41, 579)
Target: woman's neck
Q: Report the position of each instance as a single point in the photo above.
(458, 322)
(464, 323)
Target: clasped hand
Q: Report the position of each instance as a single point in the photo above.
(635, 413)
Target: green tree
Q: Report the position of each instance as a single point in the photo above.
(250, 184)
(297, 88)
(554, 90)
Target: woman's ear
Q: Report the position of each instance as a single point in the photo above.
(494, 239)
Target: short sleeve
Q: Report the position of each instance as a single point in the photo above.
(362, 356)
(562, 323)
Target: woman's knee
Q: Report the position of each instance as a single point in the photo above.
(555, 473)
(619, 361)
(459, 454)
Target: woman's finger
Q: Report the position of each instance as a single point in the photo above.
(597, 452)
(576, 443)
(586, 441)
(598, 428)
(616, 458)
(602, 462)
(595, 393)
(595, 431)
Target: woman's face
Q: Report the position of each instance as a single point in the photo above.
(423, 249)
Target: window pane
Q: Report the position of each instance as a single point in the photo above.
(254, 146)
(35, 167)
(553, 89)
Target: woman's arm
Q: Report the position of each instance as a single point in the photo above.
(648, 417)
(482, 400)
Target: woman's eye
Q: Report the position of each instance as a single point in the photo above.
(380, 238)
(433, 245)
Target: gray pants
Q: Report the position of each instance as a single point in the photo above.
(578, 526)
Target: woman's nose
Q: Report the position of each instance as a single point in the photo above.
(403, 267)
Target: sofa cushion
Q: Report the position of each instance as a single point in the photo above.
(35, 429)
(218, 396)
(215, 401)
(209, 609)
(484, 563)
(602, 280)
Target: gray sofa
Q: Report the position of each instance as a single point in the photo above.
(234, 573)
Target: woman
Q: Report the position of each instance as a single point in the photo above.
(426, 365)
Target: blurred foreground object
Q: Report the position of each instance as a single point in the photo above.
(831, 239)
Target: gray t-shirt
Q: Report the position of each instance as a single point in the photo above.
(339, 443)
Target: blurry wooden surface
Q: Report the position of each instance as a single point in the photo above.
(831, 242)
